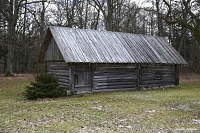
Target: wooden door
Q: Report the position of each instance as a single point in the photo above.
(83, 80)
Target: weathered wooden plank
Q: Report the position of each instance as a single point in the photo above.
(71, 79)
(154, 76)
(176, 75)
(159, 81)
(62, 76)
(121, 87)
(63, 80)
(148, 76)
(157, 85)
(53, 52)
(139, 73)
(110, 90)
(63, 83)
(161, 72)
(114, 83)
(60, 70)
(115, 77)
(115, 73)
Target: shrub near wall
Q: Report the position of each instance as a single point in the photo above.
(46, 86)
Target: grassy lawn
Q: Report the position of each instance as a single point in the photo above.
(174, 109)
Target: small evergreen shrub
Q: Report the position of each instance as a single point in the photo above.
(46, 87)
(8, 74)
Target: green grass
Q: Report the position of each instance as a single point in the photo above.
(168, 110)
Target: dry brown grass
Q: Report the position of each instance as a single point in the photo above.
(189, 77)
(16, 78)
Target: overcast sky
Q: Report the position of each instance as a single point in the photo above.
(142, 3)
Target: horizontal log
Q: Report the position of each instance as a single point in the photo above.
(155, 66)
(114, 87)
(110, 90)
(61, 83)
(80, 86)
(114, 83)
(115, 70)
(114, 80)
(64, 86)
(116, 67)
(156, 79)
(149, 83)
(161, 80)
(158, 85)
(158, 72)
(153, 77)
(152, 73)
(58, 68)
(62, 77)
(66, 74)
(161, 69)
(59, 71)
(114, 76)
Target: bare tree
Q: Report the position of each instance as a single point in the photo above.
(190, 19)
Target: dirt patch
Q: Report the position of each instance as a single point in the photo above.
(196, 102)
(186, 107)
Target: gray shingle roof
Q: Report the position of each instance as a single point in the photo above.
(93, 46)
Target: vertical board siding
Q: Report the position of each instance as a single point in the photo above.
(83, 79)
(53, 52)
(114, 78)
(61, 71)
(166, 72)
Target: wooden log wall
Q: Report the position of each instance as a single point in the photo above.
(114, 78)
(158, 75)
(60, 70)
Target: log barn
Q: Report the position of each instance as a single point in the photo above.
(87, 61)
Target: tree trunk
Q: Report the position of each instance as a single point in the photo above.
(109, 17)
(11, 40)
(159, 19)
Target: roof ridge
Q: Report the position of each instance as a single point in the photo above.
(106, 31)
